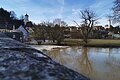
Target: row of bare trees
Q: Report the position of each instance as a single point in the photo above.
(89, 19)
(55, 33)
(48, 32)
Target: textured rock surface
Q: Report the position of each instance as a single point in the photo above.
(20, 62)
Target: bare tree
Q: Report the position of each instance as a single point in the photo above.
(88, 20)
(47, 30)
(56, 34)
(116, 11)
(21, 17)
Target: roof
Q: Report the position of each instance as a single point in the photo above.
(26, 15)
(29, 24)
(23, 29)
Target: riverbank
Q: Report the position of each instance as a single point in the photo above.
(93, 42)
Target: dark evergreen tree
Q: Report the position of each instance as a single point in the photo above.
(9, 18)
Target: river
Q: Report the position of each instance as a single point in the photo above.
(95, 63)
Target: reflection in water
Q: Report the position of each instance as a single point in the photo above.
(96, 63)
(75, 58)
(85, 62)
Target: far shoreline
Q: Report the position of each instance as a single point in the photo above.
(94, 42)
(100, 43)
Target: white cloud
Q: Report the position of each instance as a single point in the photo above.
(103, 21)
(75, 11)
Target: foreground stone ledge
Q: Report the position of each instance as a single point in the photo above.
(21, 62)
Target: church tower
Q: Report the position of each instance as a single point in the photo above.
(26, 19)
(109, 21)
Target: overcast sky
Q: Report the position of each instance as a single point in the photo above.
(67, 10)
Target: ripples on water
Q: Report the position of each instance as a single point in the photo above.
(96, 63)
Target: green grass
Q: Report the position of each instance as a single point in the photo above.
(93, 42)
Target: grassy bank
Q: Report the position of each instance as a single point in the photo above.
(93, 42)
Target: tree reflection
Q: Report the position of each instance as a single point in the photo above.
(73, 58)
(85, 62)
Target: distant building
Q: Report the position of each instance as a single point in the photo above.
(15, 35)
(24, 32)
(107, 26)
(6, 27)
(97, 28)
(26, 19)
(26, 28)
(11, 32)
(18, 28)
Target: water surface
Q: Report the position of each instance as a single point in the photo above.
(96, 63)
